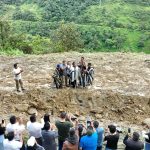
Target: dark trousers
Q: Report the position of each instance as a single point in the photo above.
(60, 144)
(74, 84)
(19, 82)
(39, 141)
(99, 148)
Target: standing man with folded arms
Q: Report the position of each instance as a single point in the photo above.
(17, 77)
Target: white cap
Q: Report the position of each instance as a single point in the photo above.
(31, 141)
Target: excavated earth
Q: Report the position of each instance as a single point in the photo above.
(120, 92)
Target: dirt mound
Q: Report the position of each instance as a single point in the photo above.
(121, 90)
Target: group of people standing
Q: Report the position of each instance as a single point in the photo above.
(73, 74)
(71, 134)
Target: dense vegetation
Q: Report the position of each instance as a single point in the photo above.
(36, 26)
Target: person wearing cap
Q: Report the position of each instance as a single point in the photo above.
(112, 138)
(32, 144)
(17, 77)
(63, 127)
(133, 143)
(89, 141)
(57, 76)
(11, 144)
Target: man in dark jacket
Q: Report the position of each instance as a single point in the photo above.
(133, 143)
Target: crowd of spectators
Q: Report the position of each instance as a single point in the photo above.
(67, 133)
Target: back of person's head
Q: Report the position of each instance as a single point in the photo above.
(96, 124)
(33, 118)
(112, 129)
(136, 136)
(89, 131)
(71, 132)
(15, 65)
(47, 126)
(82, 58)
(89, 64)
(63, 115)
(12, 119)
(47, 118)
(10, 136)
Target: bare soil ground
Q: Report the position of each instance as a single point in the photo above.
(120, 93)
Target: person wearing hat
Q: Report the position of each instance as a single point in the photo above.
(133, 143)
(17, 77)
(32, 144)
(57, 76)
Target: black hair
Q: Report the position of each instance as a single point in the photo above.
(136, 136)
(71, 132)
(47, 126)
(15, 65)
(96, 124)
(10, 136)
(89, 131)
(112, 128)
(63, 115)
(46, 118)
(33, 118)
(31, 147)
(12, 119)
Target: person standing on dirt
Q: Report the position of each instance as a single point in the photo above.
(68, 73)
(82, 76)
(63, 67)
(17, 77)
(58, 76)
(74, 73)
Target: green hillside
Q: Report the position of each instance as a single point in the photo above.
(43, 26)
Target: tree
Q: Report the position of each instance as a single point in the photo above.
(4, 33)
(67, 38)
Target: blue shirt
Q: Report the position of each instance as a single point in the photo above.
(100, 133)
(89, 142)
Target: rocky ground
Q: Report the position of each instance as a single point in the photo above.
(120, 93)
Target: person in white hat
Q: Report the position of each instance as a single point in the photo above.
(32, 144)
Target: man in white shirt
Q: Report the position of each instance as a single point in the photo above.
(34, 129)
(74, 72)
(17, 77)
(11, 144)
(15, 127)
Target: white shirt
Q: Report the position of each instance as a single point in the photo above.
(74, 73)
(16, 71)
(34, 129)
(12, 145)
(16, 128)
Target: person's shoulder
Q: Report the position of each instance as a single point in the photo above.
(57, 122)
(69, 123)
(5, 141)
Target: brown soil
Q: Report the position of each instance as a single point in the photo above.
(121, 90)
